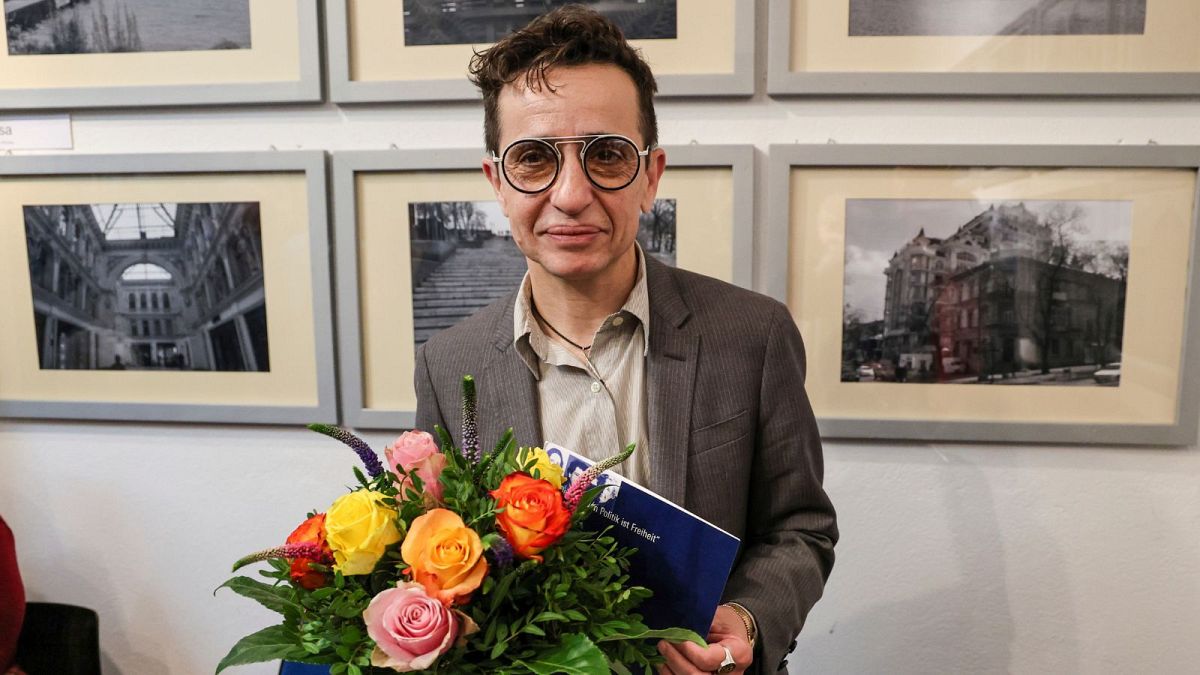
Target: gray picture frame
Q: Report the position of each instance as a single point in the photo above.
(782, 81)
(348, 165)
(312, 164)
(305, 89)
(784, 158)
(343, 89)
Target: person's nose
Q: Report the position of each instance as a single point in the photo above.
(572, 192)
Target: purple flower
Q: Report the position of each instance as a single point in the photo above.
(369, 459)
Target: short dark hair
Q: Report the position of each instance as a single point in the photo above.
(571, 35)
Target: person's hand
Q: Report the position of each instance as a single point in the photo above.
(687, 658)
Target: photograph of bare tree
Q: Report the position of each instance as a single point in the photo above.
(464, 257)
(1005, 292)
(997, 17)
(106, 26)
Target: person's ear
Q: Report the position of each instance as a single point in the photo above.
(492, 171)
(656, 163)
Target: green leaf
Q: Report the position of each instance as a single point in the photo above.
(280, 599)
(618, 668)
(643, 633)
(268, 644)
(575, 655)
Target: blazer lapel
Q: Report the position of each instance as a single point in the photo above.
(507, 389)
(670, 381)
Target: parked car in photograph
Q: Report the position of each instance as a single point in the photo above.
(866, 373)
(952, 365)
(1108, 375)
(884, 371)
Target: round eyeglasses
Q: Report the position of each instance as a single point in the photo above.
(610, 161)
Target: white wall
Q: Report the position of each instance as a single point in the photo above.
(955, 557)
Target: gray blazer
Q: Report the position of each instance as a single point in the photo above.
(732, 434)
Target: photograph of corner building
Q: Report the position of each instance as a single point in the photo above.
(108, 26)
(463, 257)
(148, 286)
(960, 291)
(455, 22)
(997, 17)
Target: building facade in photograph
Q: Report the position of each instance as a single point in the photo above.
(1015, 314)
(1000, 295)
(193, 300)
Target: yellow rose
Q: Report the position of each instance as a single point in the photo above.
(543, 467)
(358, 527)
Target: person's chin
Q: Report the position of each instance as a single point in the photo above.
(574, 266)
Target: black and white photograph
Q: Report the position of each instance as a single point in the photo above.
(1003, 292)
(464, 257)
(108, 26)
(997, 17)
(455, 22)
(148, 286)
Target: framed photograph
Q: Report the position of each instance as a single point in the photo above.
(121, 53)
(421, 244)
(984, 47)
(418, 50)
(190, 288)
(1037, 294)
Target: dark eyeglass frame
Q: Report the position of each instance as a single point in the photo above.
(553, 142)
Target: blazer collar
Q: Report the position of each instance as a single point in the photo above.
(670, 382)
(508, 395)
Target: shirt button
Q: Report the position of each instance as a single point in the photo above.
(595, 387)
(618, 321)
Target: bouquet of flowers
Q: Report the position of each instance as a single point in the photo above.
(449, 560)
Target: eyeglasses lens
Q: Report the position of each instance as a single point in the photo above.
(530, 165)
(611, 163)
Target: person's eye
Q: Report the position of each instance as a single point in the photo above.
(534, 157)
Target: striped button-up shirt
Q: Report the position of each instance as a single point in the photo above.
(597, 407)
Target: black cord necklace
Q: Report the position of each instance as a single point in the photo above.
(555, 330)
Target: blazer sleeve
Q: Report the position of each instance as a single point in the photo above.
(791, 525)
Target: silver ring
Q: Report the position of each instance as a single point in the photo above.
(728, 664)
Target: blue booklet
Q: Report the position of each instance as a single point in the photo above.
(683, 558)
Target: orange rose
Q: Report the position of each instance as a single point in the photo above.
(311, 531)
(445, 556)
(534, 516)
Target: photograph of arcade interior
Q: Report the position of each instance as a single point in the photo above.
(976, 536)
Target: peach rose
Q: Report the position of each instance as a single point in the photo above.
(534, 516)
(444, 555)
(416, 451)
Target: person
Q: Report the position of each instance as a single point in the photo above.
(12, 602)
(602, 345)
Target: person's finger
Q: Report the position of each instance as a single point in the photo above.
(677, 663)
(705, 659)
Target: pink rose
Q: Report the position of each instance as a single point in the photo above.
(410, 629)
(417, 451)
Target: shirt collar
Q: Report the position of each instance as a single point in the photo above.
(533, 345)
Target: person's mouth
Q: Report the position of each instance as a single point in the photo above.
(568, 234)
